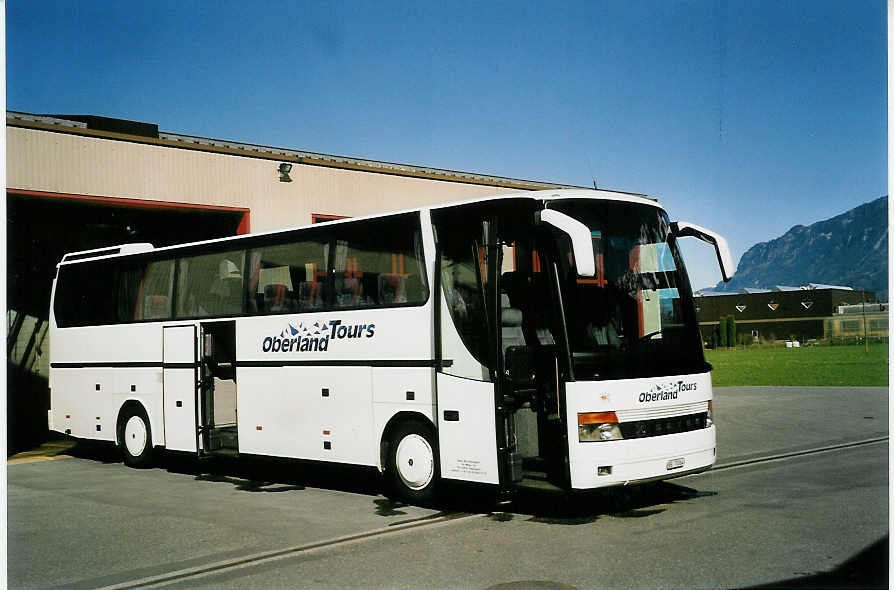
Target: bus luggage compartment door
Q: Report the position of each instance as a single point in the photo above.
(179, 376)
(466, 429)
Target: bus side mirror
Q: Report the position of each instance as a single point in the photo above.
(683, 229)
(581, 239)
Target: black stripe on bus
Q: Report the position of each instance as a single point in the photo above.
(123, 365)
(115, 365)
(345, 363)
(271, 363)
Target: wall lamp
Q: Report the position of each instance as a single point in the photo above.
(284, 169)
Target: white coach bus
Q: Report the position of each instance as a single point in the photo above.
(545, 339)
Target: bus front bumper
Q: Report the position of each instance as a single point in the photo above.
(624, 462)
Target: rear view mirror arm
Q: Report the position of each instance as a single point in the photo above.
(683, 229)
(581, 239)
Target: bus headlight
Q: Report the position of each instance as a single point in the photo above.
(598, 426)
(710, 418)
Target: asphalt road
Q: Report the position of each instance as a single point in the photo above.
(799, 499)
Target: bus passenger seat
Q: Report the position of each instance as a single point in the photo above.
(391, 288)
(347, 291)
(510, 324)
(515, 347)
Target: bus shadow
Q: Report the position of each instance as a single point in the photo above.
(250, 485)
(93, 450)
(388, 507)
(275, 475)
(253, 474)
(641, 501)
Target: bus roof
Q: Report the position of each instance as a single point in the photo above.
(124, 250)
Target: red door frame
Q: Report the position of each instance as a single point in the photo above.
(146, 204)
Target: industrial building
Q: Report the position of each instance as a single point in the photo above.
(781, 313)
(77, 182)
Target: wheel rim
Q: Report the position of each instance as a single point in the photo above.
(415, 461)
(135, 436)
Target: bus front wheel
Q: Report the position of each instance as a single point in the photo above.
(135, 437)
(412, 469)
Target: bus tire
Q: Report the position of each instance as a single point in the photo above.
(135, 437)
(412, 470)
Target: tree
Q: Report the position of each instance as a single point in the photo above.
(731, 331)
(721, 328)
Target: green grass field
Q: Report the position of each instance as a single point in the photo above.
(810, 365)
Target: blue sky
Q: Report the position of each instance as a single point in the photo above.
(746, 117)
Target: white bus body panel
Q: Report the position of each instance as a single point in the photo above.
(294, 411)
(392, 389)
(180, 388)
(366, 362)
(389, 335)
(642, 458)
(74, 391)
(468, 445)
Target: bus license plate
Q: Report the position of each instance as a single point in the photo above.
(675, 463)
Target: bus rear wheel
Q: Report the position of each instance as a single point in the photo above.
(135, 437)
(412, 469)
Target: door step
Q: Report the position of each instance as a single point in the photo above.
(537, 483)
(227, 435)
(225, 453)
(222, 440)
(534, 465)
(537, 480)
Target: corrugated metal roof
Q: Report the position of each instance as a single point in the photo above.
(44, 119)
(821, 286)
(785, 288)
(776, 288)
(288, 155)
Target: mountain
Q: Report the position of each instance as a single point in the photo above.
(850, 249)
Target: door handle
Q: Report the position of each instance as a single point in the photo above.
(451, 415)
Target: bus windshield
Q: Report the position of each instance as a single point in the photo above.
(636, 317)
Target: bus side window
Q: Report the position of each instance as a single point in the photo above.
(154, 295)
(287, 278)
(129, 282)
(379, 263)
(86, 294)
(210, 285)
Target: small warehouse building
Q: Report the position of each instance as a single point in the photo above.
(780, 313)
(852, 323)
(78, 182)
